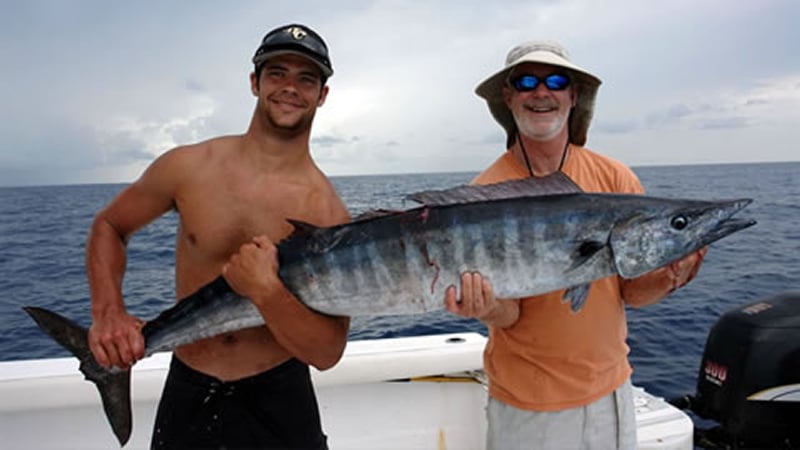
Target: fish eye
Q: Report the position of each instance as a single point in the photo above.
(679, 222)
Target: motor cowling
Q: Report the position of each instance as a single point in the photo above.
(749, 378)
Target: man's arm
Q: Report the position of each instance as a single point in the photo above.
(314, 338)
(115, 336)
(650, 288)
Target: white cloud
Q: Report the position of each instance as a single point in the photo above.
(92, 90)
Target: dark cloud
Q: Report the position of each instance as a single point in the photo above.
(722, 123)
(702, 116)
(615, 127)
(756, 102)
(668, 116)
(331, 141)
(29, 176)
(193, 85)
(327, 141)
(64, 153)
(45, 140)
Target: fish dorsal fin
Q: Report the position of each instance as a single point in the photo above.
(301, 228)
(556, 183)
(375, 213)
(308, 239)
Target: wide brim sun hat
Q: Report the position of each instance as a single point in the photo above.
(542, 52)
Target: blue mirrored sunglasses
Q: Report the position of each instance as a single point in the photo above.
(554, 82)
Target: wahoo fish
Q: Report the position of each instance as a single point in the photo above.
(527, 236)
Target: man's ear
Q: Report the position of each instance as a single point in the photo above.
(253, 83)
(323, 94)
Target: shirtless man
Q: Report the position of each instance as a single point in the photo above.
(249, 388)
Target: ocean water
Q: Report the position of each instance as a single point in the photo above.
(43, 231)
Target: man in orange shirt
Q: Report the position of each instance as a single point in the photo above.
(558, 379)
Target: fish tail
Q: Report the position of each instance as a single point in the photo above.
(113, 384)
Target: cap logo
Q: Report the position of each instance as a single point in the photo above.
(297, 33)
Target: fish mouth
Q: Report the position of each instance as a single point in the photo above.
(729, 224)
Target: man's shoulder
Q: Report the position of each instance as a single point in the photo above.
(335, 205)
(605, 172)
(184, 162)
(503, 168)
(603, 162)
(203, 150)
(215, 143)
(599, 158)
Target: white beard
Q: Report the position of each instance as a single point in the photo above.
(540, 131)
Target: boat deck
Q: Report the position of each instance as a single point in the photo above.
(418, 392)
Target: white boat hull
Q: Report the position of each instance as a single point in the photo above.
(46, 404)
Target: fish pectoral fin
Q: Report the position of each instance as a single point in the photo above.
(584, 251)
(576, 296)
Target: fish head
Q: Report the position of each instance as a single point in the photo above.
(666, 230)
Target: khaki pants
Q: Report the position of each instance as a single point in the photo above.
(608, 423)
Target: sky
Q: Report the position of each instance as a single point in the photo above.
(93, 91)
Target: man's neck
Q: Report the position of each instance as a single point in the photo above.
(543, 157)
(274, 149)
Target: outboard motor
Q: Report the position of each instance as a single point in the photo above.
(749, 379)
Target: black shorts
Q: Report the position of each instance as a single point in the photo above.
(276, 409)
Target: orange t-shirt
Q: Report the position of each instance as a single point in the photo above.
(552, 358)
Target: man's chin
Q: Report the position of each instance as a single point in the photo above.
(289, 125)
(543, 131)
(539, 134)
(290, 129)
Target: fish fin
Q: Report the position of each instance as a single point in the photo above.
(113, 385)
(375, 213)
(556, 183)
(301, 228)
(313, 238)
(576, 296)
(585, 251)
(115, 392)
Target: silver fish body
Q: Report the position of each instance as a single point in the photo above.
(402, 263)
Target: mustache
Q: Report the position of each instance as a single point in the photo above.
(544, 103)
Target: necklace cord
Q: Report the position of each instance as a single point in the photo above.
(528, 161)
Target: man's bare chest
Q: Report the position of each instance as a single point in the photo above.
(216, 223)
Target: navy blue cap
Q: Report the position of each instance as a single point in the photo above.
(295, 39)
